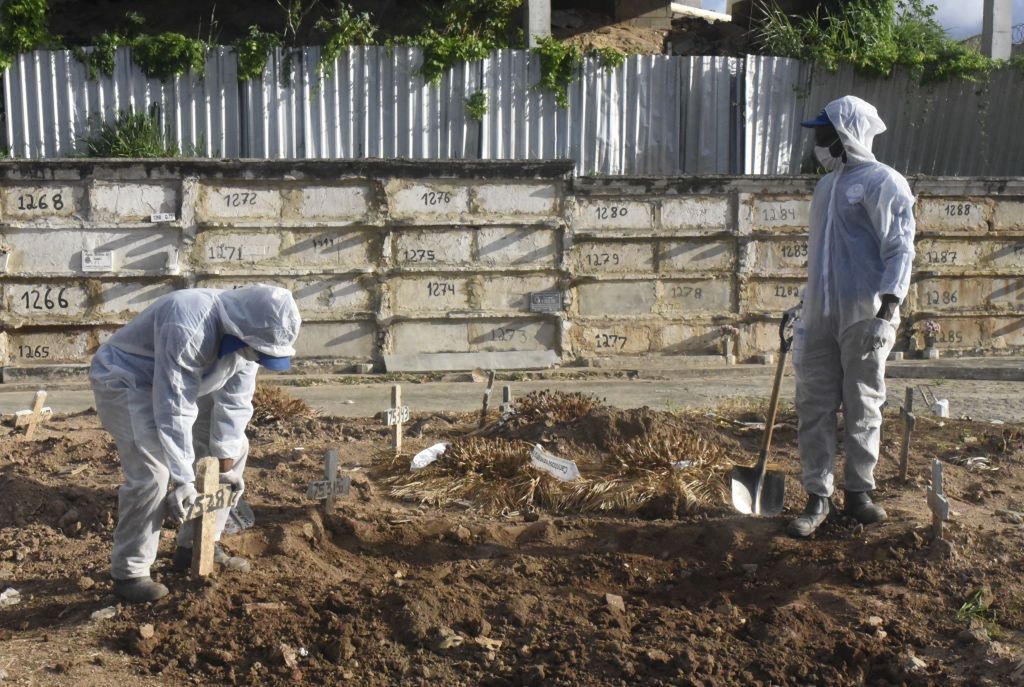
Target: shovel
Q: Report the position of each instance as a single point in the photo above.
(755, 491)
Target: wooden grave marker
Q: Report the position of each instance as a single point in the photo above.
(331, 486)
(487, 398)
(30, 419)
(909, 421)
(937, 501)
(395, 417)
(213, 496)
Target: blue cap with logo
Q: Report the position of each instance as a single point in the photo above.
(821, 120)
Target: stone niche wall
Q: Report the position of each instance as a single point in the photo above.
(391, 257)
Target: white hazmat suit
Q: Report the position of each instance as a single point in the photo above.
(861, 246)
(168, 397)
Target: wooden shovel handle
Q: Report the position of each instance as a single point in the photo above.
(785, 342)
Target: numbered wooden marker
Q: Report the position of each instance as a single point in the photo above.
(487, 398)
(331, 486)
(30, 419)
(204, 533)
(395, 417)
(909, 421)
(937, 502)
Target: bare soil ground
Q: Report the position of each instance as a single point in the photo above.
(390, 591)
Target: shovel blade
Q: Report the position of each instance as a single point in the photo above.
(744, 489)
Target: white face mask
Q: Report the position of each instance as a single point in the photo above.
(825, 158)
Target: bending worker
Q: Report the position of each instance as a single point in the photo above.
(860, 253)
(175, 385)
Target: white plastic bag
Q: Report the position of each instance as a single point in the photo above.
(427, 456)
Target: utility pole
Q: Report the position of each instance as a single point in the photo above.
(997, 29)
(537, 21)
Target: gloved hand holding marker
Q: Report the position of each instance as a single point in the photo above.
(236, 482)
(180, 500)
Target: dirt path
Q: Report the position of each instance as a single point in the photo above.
(977, 399)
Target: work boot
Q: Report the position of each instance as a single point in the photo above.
(229, 562)
(139, 590)
(815, 512)
(182, 559)
(858, 505)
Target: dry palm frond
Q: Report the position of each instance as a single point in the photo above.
(554, 407)
(272, 405)
(677, 469)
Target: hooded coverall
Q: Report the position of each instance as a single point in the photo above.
(167, 397)
(861, 246)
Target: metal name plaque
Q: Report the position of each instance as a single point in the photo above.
(546, 301)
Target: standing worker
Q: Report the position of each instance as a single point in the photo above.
(860, 253)
(175, 385)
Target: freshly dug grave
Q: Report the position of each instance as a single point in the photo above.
(656, 464)
(387, 592)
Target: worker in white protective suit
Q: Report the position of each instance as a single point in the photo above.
(860, 253)
(175, 385)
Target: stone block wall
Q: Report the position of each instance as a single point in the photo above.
(426, 257)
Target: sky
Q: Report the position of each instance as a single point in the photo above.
(961, 18)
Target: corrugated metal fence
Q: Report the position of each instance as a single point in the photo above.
(653, 115)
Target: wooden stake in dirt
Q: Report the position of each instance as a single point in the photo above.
(30, 419)
(213, 497)
(487, 398)
(330, 487)
(205, 531)
(395, 416)
(937, 502)
(909, 420)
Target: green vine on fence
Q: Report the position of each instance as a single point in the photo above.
(167, 54)
(23, 27)
(253, 52)
(476, 106)
(560, 63)
(158, 56)
(875, 36)
(465, 31)
(343, 28)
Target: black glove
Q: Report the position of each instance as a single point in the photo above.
(888, 309)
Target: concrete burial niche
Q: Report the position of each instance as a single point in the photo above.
(509, 263)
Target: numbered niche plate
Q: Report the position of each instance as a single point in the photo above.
(953, 214)
(429, 249)
(779, 257)
(774, 213)
(610, 338)
(609, 257)
(26, 349)
(950, 255)
(969, 294)
(438, 295)
(73, 301)
(423, 203)
(592, 214)
(772, 296)
(225, 203)
(37, 202)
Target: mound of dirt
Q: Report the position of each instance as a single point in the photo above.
(653, 463)
(385, 592)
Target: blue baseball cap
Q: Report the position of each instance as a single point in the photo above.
(821, 120)
(278, 363)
